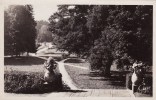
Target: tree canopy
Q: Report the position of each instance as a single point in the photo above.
(19, 29)
(105, 32)
(43, 33)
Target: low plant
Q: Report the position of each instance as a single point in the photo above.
(28, 83)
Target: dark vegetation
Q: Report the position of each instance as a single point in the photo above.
(104, 33)
(29, 83)
(29, 80)
(19, 30)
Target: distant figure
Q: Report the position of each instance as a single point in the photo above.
(49, 75)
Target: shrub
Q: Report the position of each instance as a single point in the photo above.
(23, 82)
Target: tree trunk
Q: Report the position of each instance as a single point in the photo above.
(106, 69)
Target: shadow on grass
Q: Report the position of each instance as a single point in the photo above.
(116, 80)
(23, 61)
(73, 60)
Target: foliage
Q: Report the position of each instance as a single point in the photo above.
(19, 29)
(68, 25)
(105, 33)
(18, 82)
(43, 33)
(28, 83)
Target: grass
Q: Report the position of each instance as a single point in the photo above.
(27, 64)
(92, 80)
(23, 61)
(77, 62)
(74, 61)
(25, 75)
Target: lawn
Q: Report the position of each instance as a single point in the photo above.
(78, 62)
(27, 64)
(25, 75)
(85, 79)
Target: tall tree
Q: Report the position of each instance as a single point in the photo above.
(21, 29)
(69, 26)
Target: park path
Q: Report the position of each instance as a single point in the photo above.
(93, 93)
(65, 77)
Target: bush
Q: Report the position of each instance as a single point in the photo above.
(22, 82)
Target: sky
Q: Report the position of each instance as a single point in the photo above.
(43, 12)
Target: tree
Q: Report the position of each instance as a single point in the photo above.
(8, 39)
(43, 33)
(106, 33)
(20, 27)
(124, 36)
(69, 26)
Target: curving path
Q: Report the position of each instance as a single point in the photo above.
(65, 77)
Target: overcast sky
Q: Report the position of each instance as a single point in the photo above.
(43, 12)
